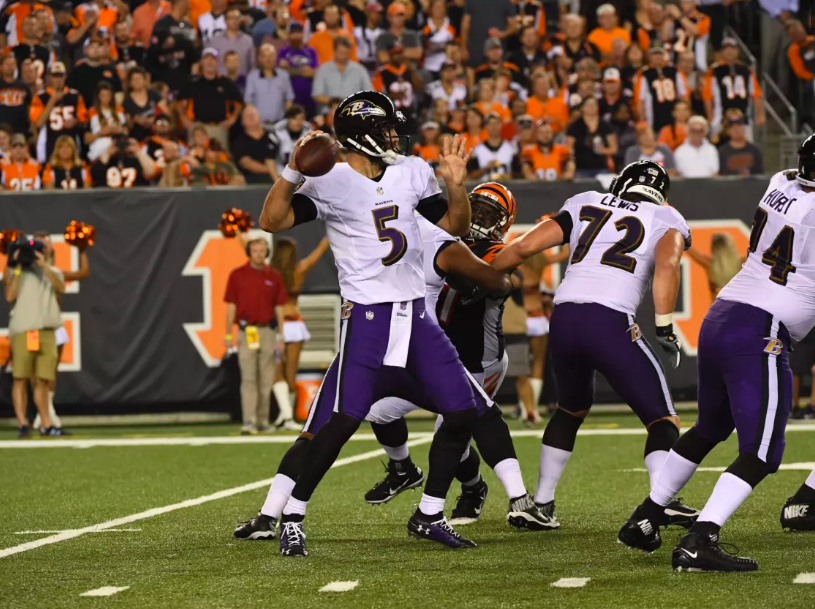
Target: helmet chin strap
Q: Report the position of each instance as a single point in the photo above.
(388, 157)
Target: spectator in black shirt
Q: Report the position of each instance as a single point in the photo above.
(130, 53)
(123, 165)
(15, 96)
(30, 47)
(529, 54)
(739, 157)
(93, 69)
(255, 151)
(591, 141)
(210, 99)
(575, 45)
(141, 105)
(172, 47)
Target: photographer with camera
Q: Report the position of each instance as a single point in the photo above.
(123, 165)
(31, 288)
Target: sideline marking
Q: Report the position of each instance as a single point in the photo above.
(111, 524)
(104, 591)
(339, 586)
(804, 578)
(571, 582)
(806, 467)
(62, 531)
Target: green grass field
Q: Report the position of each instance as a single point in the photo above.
(188, 558)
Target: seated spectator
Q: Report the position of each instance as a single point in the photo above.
(673, 135)
(437, 34)
(647, 149)
(21, 172)
(525, 141)
(486, 102)
(506, 90)
(617, 57)
(107, 121)
(15, 96)
(529, 54)
(340, 77)
(30, 46)
(458, 121)
(216, 170)
(145, 17)
(697, 157)
(199, 142)
(592, 141)
(548, 161)
(210, 99)
(397, 32)
(212, 22)
(323, 41)
(269, 89)
(65, 170)
(232, 70)
(176, 169)
(446, 88)
(95, 68)
(603, 36)
(474, 132)
(233, 39)
(122, 165)
(293, 127)
(542, 107)
(366, 35)
(494, 56)
(739, 157)
(492, 158)
(300, 62)
(428, 148)
(255, 151)
(583, 89)
(141, 105)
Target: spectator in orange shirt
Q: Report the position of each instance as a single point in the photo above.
(540, 106)
(21, 172)
(486, 101)
(94, 15)
(673, 135)
(428, 149)
(548, 161)
(323, 42)
(609, 29)
(474, 132)
(145, 17)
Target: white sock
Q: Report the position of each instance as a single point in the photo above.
(654, 462)
(52, 412)
(472, 482)
(277, 497)
(728, 494)
(37, 421)
(810, 481)
(295, 506)
(281, 394)
(537, 387)
(553, 462)
(396, 453)
(509, 473)
(293, 399)
(675, 474)
(430, 506)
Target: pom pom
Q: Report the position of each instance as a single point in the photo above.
(7, 237)
(234, 221)
(80, 235)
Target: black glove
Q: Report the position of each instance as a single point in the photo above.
(669, 343)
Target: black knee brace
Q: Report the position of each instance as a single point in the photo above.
(292, 462)
(693, 447)
(750, 468)
(561, 431)
(662, 435)
(391, 434)
(468, 469)
(493, 439)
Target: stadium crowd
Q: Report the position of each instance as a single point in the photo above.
(211, 92)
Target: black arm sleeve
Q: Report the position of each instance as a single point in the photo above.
(433, 208)
(564, 220)
(440, 271)
(304, 209)
(517, 294)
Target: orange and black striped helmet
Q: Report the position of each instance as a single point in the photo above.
(494, 208)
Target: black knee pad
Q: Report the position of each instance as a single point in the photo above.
(341, 425)
(662, 435)
(493, 439)
(468, 469)
(693, 446)
(460, 421)
(292, 461)
(750, 468)
(561, 431)
(392, 434)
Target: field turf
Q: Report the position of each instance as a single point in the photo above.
(188, 557)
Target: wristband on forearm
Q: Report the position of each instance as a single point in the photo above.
(290, 175)
(664, 320)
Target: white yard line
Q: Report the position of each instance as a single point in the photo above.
(571, 582)
(118, 522)
(105, 591)
(804, 467)
(340, 586)
(52, 532)
(804, 578)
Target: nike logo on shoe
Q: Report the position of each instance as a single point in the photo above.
(795, 511)
(689, 553)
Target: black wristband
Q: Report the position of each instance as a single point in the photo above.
(663, 331)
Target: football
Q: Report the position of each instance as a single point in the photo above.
(317, 156)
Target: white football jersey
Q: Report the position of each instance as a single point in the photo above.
(613, 243)
(372, 228)
(433, 239)
(499, 159)
(779, 275)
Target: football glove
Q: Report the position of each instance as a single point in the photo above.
(670, 343)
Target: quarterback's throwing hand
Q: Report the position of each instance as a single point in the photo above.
(453, 160)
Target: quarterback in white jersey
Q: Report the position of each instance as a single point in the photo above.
(619, 241)
(368, 206)
(745, 381)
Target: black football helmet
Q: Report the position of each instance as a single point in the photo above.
(645, 178)
(363, 123)
(806, 163)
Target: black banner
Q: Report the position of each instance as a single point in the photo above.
(147, 326)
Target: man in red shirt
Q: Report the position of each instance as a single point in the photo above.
(254, 297)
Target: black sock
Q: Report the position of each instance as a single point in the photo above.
(468, 469)
(561, 431)
(449, 444)
(493, 439)
(291, 518)
(653, 511)
(706, 529)
(805, 494)
(391, 434)
(403, 466)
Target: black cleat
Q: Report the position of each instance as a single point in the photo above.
(548, 510)
(469, 504)
(680, 515)
(54, 432)
(802, 413)
(23, 431)
(640, 532)
(798, 515)
(261, 528)
(398, 479)
(293, 539)
(524, 514)
(436, 528)
(698, 552)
